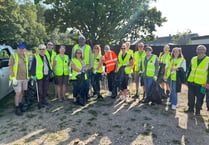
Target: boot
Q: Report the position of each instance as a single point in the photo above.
(18, 111)
(168, 93)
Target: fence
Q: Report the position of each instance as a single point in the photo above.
(188, 50)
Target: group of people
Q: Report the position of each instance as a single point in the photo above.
(85, 67)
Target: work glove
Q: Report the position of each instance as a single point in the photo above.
(33, 78)
(155, 78)
(14, 82)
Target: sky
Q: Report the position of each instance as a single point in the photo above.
(183, 15)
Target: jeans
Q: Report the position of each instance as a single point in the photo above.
(174, 95)
(147, 83)
(95, 81)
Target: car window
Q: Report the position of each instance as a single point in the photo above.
(4, 54)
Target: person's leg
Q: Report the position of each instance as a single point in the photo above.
(173, 95)
(94, 83)
(45, 90)
(136, 78)
(114, 85)
(145, 79)
(17, 98)
(191, 98)
(59, 92)
(207, 100)
(199, 100)
(109, 81)
(63, 91)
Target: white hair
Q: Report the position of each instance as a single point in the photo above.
(42, 46)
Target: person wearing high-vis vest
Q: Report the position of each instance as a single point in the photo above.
(198, 76)
(18, 68)
(138, 56)
(164, 61)
(79, 79)
(87, 55)
(149, 69)
(61, 70)
(50, 54)
(124, 67)
(40, 71)
(110, 60)
(177, 62)
(97, 71)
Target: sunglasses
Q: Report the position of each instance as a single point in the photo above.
(123, 48)
(41, 49)
(78, 53)
(50, 44)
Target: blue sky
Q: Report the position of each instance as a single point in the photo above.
(183, 15)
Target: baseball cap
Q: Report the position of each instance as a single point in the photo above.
(21, 45)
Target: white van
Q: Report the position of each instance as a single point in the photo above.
(5, 52)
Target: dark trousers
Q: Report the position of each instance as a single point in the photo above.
(112, 86)
(194, 93)
(43, 86)
(80, 89)
(95, 81)
(207, 99)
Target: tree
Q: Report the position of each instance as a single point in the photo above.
(182, 38)
(104, 21)
(10, 31)
(19, 23)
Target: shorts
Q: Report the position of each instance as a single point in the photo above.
(136, 78)
(22, 85)
(62, 80)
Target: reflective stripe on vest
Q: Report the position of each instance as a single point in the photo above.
(138, 57)
(96, 63)
(110, 60)
(78, 64)
(150, 72)
(86, 53)
(177, 64)
(15, 67)
(166, 59)
(50, 59)
(199, 72)
(61, 67)
(125, 61)
(39, 67)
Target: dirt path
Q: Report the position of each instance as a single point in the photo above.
(104, 123)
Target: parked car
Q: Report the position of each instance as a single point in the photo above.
(5, 52)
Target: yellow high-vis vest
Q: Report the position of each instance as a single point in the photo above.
(150, 72)
(39, 67)
(78, 64)
(50, 59)
(175, 64)
(62, 65)
(86, 53)
(125, 61)
(199, 72)
(15, 67)
(96, 63)
(138, 57)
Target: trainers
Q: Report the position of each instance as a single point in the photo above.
(18, 111)
(173, 107)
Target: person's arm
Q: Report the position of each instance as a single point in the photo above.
(183, 65)
(156, 66)
(54, 64)
(33, 67)
(91, 65)
(11, 64)
(73, 66)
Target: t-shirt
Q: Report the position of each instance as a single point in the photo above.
(21, 72)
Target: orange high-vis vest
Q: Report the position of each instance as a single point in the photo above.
(110, 60)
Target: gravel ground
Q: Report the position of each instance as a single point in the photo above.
(105, 122)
